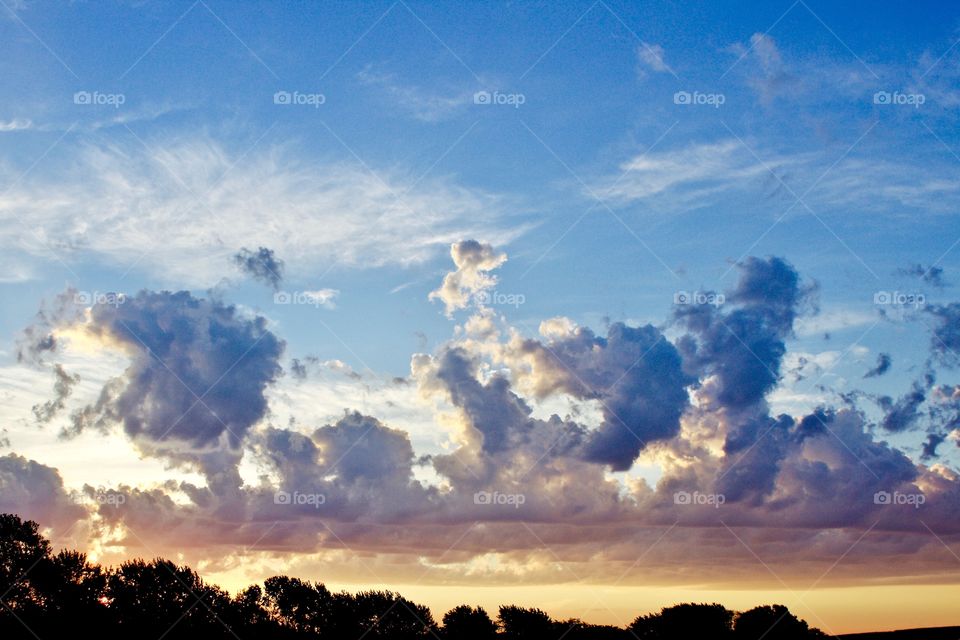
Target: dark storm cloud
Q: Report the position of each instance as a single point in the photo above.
(932, 276)
(62, 389)
(262, 265)
(744, 347)
(198, 374)
(883, 365)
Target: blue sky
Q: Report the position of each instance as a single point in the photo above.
(398, 82)
(619, 154)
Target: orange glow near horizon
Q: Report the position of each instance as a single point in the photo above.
(834, 610)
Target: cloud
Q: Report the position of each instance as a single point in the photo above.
(697, 171)
(196, 381)
(883, 365)
(543, 417)
(932, 275)
(905, 412)
(36, 491)
(63, 387)
(323, 297)
(260, 265)
(472, 279)
(634, 373)
(198, 203)
(945, 342)
(745, 346)
(652, 56)
(17, 124)
(421, 103)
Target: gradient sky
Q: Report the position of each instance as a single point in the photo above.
(597, 261)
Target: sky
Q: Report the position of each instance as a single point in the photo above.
(594, 307)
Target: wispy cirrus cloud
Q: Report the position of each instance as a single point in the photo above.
(181, 209)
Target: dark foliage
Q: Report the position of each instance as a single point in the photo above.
(47, 595)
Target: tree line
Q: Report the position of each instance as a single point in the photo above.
(46, 595)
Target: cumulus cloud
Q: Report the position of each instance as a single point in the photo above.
(634, 373)
(744, 346)
(541, 420)
(36, 491)
(196, 381)
(472, 279)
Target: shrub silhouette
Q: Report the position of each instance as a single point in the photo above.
(47, 595)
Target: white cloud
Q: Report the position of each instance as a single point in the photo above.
(698, 169)
(17, 124)
(652, 56)
(183, 207)
(422, 104)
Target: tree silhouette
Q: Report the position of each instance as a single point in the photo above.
(518, 622)
(468, 623)
(150, 598)
(772, 622)
(685, 621)
(46, 595)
